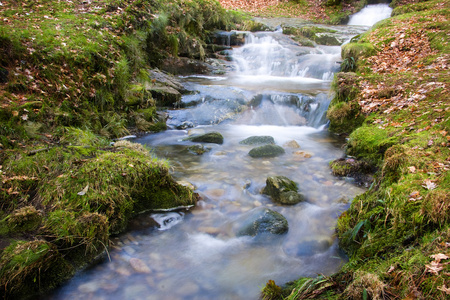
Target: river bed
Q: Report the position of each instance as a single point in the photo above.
(274, 88)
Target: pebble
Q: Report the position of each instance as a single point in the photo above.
(89, 287)
(187, 289)
(129, 250)
(123, 271)
(139, 265)
(292, 144)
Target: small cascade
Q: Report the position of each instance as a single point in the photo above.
(371, 14)
(272, 55)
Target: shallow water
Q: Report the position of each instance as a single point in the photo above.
(275, 88)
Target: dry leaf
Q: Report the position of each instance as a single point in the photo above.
(438, 257)
(84, 191)
(444, 289)
(434, 267)
(429, 185)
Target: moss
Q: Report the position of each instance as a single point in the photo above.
(117, 185)
(210, 137)
(24, 219)
(370, 143)
(345, 117)
(357, 50)
(30, 268)
(266, 151)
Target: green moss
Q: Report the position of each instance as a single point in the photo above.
(345, 117)
(370, 143)
(357, 50)
(117, 185)
(30, 268)
(24, 219)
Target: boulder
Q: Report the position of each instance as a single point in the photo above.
(258, 140)
(266, 151)
(260, 221)
(210, 137)
(283, 190)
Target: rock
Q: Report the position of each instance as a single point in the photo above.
(186, 66)
(210, 137)
(292, 144)
(139, 266)
(283, 190)
(185, 124)
(259, 221)
(266, 151)
(198, 149)
(258, 140)
(360, 170)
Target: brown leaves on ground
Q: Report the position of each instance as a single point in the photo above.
(405, 52)
(248, 5)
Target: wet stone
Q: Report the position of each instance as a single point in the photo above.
(266, 151)
(139, 266)
(89, 287)
(258, 140)
(292, 144)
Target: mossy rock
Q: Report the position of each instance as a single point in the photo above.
(198, 149)
(260, 221)
(118, 185)
(32, 268)
(357, 50)
(360, 170)
(210, 137)
(283, 190)
(345, 117)
(258, 140)
(266, 151)
(370, 143)
(85, 234)
(345, 86)
(24, 219)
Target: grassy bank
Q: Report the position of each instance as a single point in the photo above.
(74, 75)
(392, 102)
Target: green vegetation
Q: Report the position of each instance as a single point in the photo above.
(394, 107)
(73, 76)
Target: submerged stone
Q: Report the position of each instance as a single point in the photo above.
(266, 151)
(258, 140)
(259, 221)
(210, 137)
(283, 190)
(198, 149)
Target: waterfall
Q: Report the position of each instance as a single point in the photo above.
(370, 15)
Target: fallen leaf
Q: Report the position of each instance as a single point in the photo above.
(429, 185)
(412, 169)
(434, 267)
(84, 191)
(438, 257)
(392, 268)
(444, 289)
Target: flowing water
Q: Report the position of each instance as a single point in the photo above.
(276, 88)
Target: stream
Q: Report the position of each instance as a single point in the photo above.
(273, 87)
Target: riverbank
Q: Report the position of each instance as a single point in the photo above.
(74, 78)
(392, 102)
